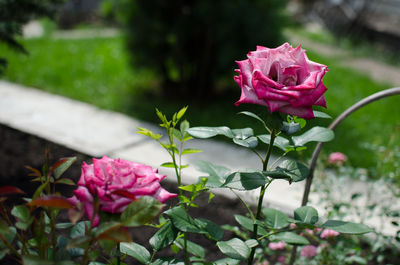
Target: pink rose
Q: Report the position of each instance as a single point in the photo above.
(337, 158)
(117, 183)
(328, 233)
(308, 251)
(283, 79)
(277, 246)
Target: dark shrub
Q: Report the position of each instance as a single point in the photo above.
(192, 44)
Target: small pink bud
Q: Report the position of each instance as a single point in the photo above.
(337, 158)
(277, 246)
(308, 251)
(328, 233)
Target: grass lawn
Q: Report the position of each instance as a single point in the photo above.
(97, 71)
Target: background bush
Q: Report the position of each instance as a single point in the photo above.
(193, 44)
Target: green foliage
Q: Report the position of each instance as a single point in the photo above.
(234, 248)
(191, 45)
(16, 13)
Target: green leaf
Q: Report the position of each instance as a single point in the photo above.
(35, 260)
(208, 132)
(289, 169)
(275, 219)
(141, 211)
(181, 220)
(65, 181)
(290, 238)
(234, 248)
(306, 214)
(210, 228)
(163, 237)
(250, 142)
(64, 225)
(39, 190)
(226, 261)
(161, 116)
(105, 227)
(181, 112)
(3, 253)
(320, 114)
(315, 134)
(248, 224)
(242, 134)
(21, 212)
(251, 243)
(168, 164)
(255, 116)
(280, 142)
(79, 229)
(184, 126)
(148, 133)
(300, 121)
(167, 261)
(347, 227)
(9, 236)
(217, 174)
(61, 166)
(192, 247)
(79, 242)
(290, 127)
(177, 134)
(191, 151)
(136, 251)
(245, 180)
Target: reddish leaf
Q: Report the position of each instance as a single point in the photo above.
(6, 190)
(35, 172)
(125, 194)
(52, 201)
(120, 234)
(61, 166)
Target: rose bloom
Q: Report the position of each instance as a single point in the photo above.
(283, 79)
(308, 251)
(277, 246)
(116, 183)
(337, 158)
(328, 233)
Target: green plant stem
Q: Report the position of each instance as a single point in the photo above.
(95, 210)
(53, 232)
(185, 249)
(152, 255)
(119, 253)
(262, 193)
(178, 178)
(246, 205)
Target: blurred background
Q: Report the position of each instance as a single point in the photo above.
(131, 56)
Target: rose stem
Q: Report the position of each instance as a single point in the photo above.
(261, 197)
